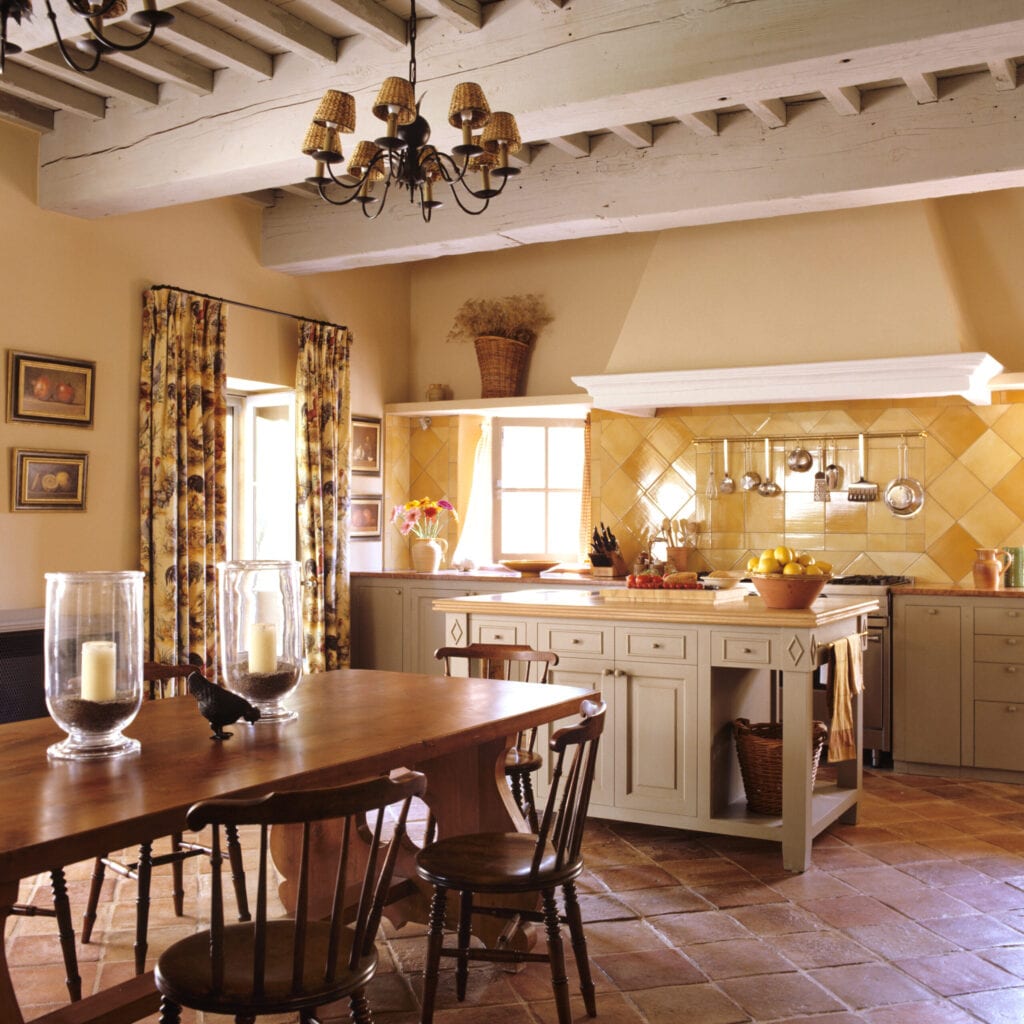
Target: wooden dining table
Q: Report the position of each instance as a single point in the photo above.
(352, 724)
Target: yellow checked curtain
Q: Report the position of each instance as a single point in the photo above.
(322, 427)
(182, 497)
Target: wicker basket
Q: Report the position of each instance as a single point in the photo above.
(760, 751)
(502, 366)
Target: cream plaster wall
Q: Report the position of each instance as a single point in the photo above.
(72, 287)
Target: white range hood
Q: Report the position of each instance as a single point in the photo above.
(969, 374)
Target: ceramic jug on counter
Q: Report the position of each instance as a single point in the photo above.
(989, 567)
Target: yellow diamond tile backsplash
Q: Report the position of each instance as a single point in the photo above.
(971, 461)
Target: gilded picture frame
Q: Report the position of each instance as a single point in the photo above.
(365, 453)
(364, 518)
(50, 389)
(48, 481)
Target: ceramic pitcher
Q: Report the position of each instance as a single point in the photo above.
(989, 567)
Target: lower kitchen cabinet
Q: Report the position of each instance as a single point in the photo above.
(377, 624)
(958, 682)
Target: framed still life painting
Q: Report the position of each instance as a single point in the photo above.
(50, 389)
(48, 481)
(366, 445)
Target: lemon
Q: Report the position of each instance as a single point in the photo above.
(805, 559)
(752, 563)
(784, 554)
(813, 570)
(792, 569)
(825, 567)
(769, 565)
(768, 553)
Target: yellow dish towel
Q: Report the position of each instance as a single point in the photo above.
(847, 680)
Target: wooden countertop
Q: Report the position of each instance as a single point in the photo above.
(483, 576)
(748, 611)
(951, 590)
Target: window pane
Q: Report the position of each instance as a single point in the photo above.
(563, 522)
(273, 484)
(565, 457)
(522, 522)
(522, 457)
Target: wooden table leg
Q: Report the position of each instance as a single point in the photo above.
(10, 1012)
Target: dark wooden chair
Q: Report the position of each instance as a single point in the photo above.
(294, 965)
(509, 661)
(514, 863)
(163, 681)
(61, 910)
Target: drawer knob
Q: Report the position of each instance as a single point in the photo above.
(933, 611)
(1011, 669)
(1012, 615)
(576, 640)
(1012, 642)
(656, 647)
(748, 650)
(1011, 707)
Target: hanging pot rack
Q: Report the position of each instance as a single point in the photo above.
(823, 438)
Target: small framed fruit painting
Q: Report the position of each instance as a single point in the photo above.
(50, 389)
(48, 481)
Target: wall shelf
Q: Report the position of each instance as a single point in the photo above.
(562, 407)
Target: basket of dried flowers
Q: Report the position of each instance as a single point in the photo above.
(503, 332)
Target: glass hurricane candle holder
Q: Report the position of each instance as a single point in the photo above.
(93, 659)
(261, 633)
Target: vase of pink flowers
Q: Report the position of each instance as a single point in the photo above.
(424, 519)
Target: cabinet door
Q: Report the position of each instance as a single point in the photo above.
(999, 735)
(424, 627)
(928, 655)
(377, 626)
(656, 738)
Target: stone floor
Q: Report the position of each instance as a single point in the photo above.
(914, 916)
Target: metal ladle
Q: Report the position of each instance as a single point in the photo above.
(768, 487)
(728, 485)
(751, 478)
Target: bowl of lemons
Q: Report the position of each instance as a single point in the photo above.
(788, 580)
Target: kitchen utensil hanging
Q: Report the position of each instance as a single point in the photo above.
(768, 487)
(711, 491)
(728, 485)
(751, 478)
(904, 496)
(863, 489)
(833, 471)
(821, 491)
(799, 459)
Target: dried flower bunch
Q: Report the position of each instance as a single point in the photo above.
(516, 316)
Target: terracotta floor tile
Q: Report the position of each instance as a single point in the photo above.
(968, 848)
(707, 872)
(942, 873)
(902, 939)
(690, 929)
(821, 949)
(666, 900)
(621, 937)
(898, 852)
(738, 957)
(738, 894)
(633, 876)
(702, 1003)
(809, 885)
(652, 968)
(776, 919)
(780, 995)
(922, 829)
(989, 896)
(878, 880)
(612, 1008)
(975, 931)
(1010, 958)
(928, 904)
(957, 973)
(865, 985)
(842, 857)
(918, 1013)
(852, 911)
(1003, 1007)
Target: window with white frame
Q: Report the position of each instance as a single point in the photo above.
(260, 443)
(538, 484)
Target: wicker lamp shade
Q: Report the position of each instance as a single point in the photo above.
(322, 143)
(337, 109)
(396, 92)
(468, 98)
(500, 130)
(482, 161)
(364, 155)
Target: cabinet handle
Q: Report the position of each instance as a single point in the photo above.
(1011, 669)
(499, 636)
(933, 611)
(398, 590)
(1011, 707)
(1011, 642)
(1012, 615)
(576, 640)
(619, 673)
(655, 647)
(748, 650)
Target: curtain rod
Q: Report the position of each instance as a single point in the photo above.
(248, 305)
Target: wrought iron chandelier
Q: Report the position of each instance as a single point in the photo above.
(97, 43)
(404, 156)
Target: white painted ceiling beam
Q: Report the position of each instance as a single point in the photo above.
(285, 29)
(966, 142)
(576, 145)
(771, 112)
(845, 99)
(106, 79)
(639, 136)
(226, 50)
(703, 122)
(25, 113)
(463, 14)
(160, 63)
(923, 85)
(373, 21)
(46, 91)
(1004, 73)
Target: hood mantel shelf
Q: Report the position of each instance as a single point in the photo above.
(641, 394)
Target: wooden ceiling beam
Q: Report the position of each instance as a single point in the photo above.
(106, 80)
(465, 15)
(366, 18)
(216, 45)
(160, 63)
(287, 31)
(23, 112)
(46, 91)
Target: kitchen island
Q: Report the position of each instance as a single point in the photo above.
(676, 668)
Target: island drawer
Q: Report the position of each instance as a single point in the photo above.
(993, 681)
(740, 649)
(1008, 621)
(657, 645)
(498, 631)
(998, 735)
(1008, 649)
(575, 639)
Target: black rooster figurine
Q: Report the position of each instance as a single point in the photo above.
(219, 706)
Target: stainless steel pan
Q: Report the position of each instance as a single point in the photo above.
(904, 496)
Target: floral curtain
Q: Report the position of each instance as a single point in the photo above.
(322, 427)
(182, 496)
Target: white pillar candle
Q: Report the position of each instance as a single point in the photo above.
(99, 660)
(262, 647)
